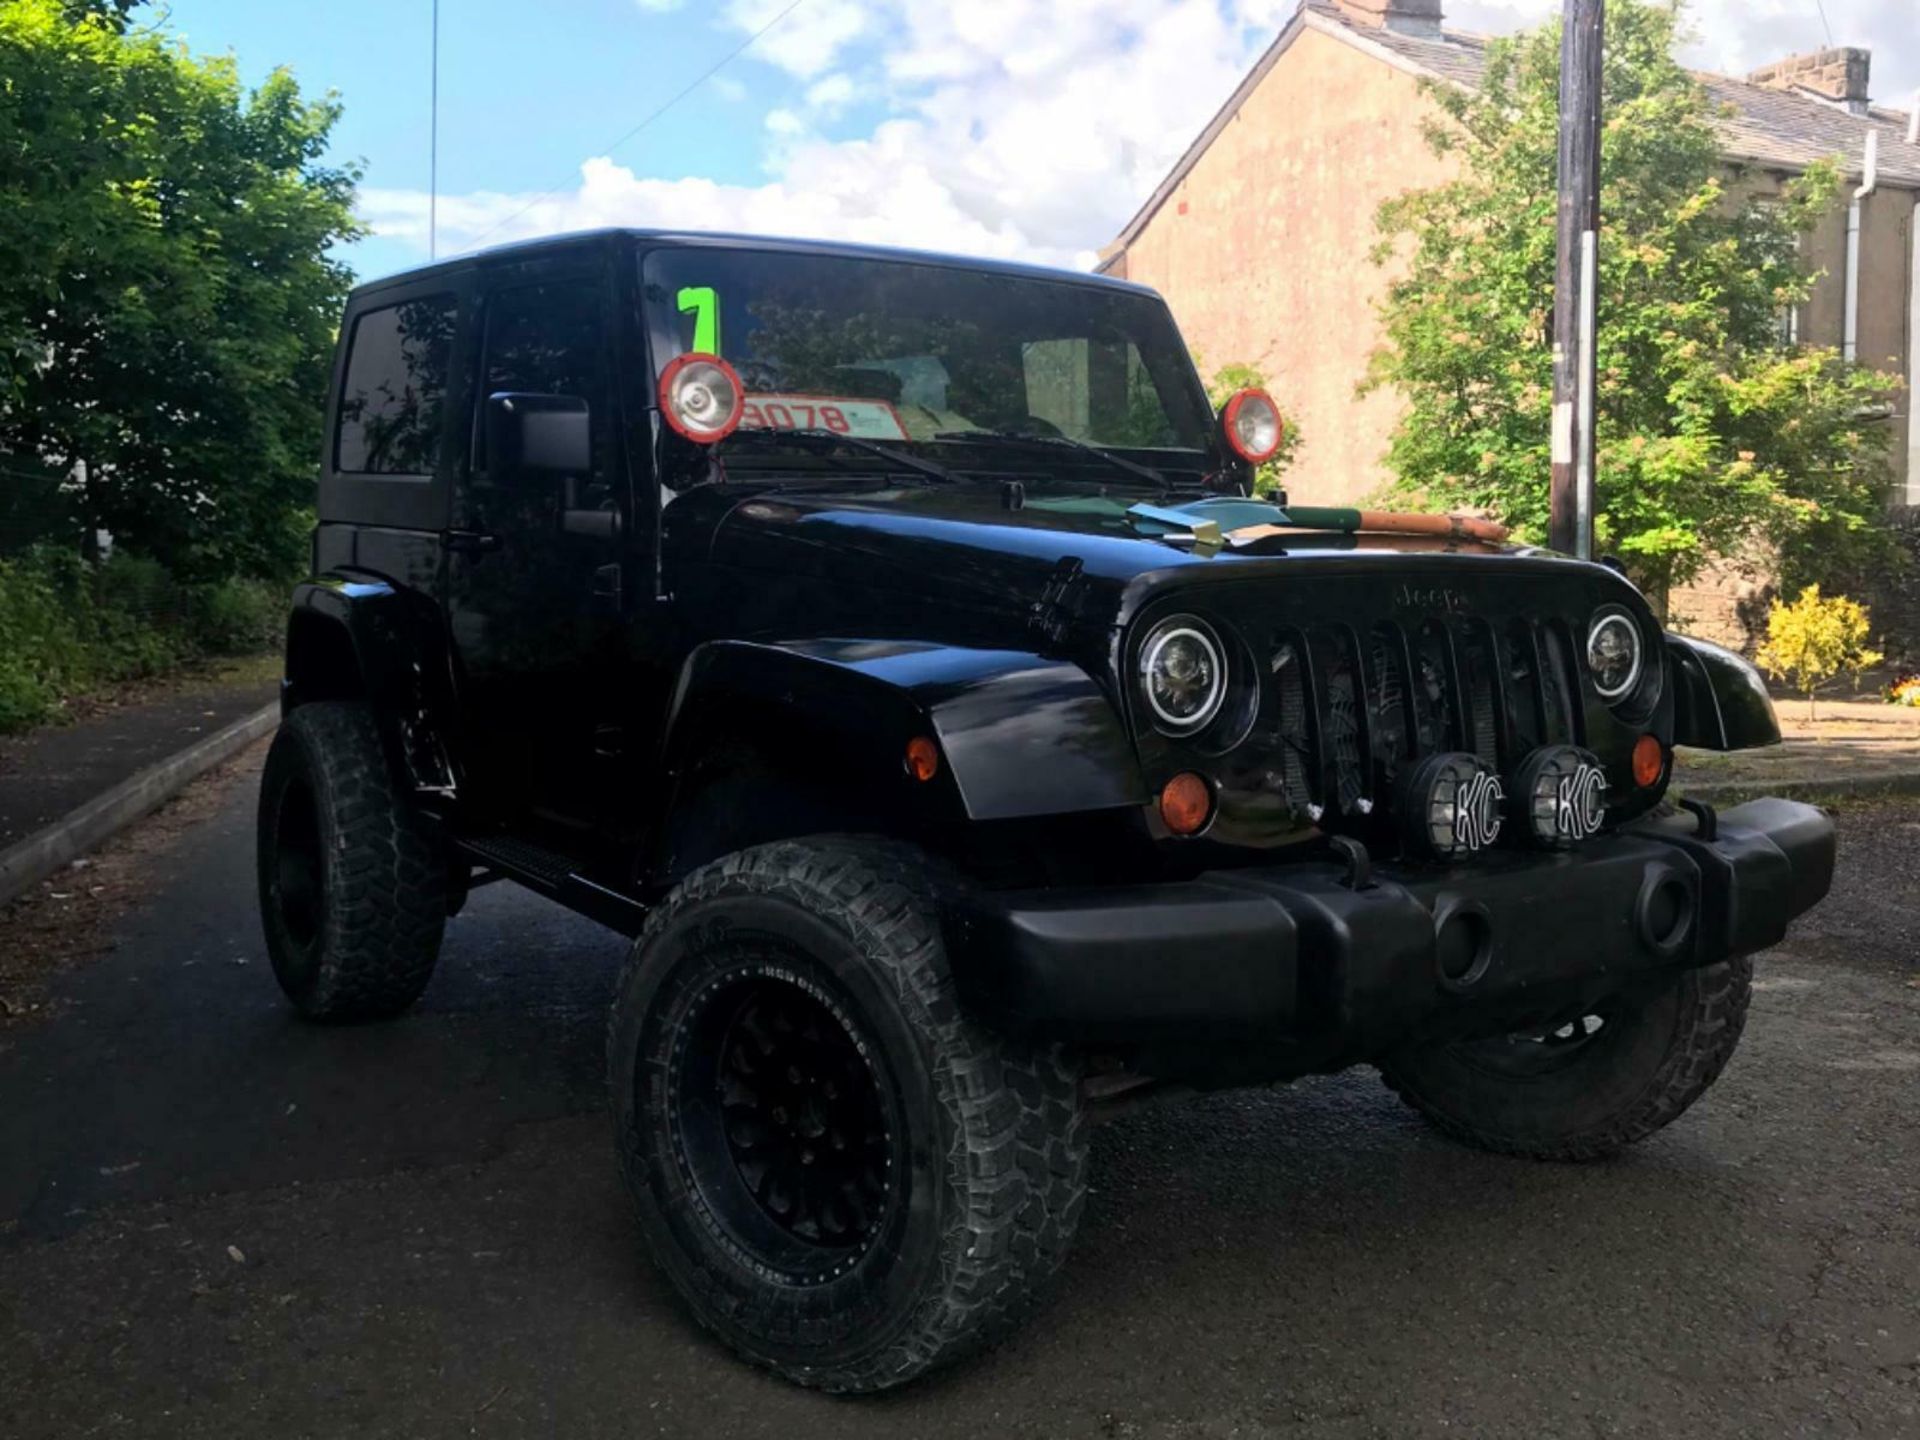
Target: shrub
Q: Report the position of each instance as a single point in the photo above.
(240, 617)
(1816, 640)
(68, 626)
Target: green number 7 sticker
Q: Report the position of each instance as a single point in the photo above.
(704, 305)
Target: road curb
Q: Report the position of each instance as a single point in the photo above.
(43, 853)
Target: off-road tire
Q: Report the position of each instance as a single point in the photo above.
(1666, 1051)
(993, 1156)
(353, 930)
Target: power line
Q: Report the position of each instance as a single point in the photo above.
(662, 109)
(1820, 5)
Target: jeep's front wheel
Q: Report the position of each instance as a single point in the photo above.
(352, 879)
(1603, 1080)
(848, 1180)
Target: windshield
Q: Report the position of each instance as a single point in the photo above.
(903, 352)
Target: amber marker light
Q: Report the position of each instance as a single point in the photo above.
(1186, 802)
(923, 758)
(1649, 761)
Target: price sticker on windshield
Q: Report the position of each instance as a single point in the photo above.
(841, 415)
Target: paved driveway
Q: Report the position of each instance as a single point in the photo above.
(217, 1221)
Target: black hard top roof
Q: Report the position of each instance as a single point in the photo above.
(590, 239)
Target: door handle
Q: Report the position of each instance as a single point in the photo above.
(468, 542)
(595, 524)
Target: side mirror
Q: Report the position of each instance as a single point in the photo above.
(537, 435)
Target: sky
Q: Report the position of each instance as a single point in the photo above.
(1011, 128)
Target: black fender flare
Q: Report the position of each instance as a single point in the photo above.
(1020, 735)
(1719, 700)
(363, 638)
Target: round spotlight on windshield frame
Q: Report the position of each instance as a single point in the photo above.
(1560, 796)
(1183, 674)
(1616, 654)
(1451, 807)
(1253, 426)
(701, 397)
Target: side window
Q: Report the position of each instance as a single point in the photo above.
(391, 400)
(548, 340)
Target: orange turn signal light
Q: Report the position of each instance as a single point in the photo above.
(923, 758)
(1649, 761)
(1186, 803)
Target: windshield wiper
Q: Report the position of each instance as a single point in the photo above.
(833, 439)
(1063, 442)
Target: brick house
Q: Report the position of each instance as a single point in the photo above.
(1259, 236)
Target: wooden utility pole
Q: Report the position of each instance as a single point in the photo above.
(1571, 528)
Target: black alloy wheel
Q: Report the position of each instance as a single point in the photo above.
(846, 1178)
(782, 1134)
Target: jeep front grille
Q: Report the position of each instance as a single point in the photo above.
(1352, 709)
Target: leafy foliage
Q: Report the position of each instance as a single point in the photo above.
(1711, 432)
(171, 295)
(68, 625)
(1221, 387)
(1816, 640)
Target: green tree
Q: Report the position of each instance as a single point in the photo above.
(1711, 432)
(170, 294)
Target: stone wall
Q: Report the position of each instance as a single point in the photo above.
(1729, 602)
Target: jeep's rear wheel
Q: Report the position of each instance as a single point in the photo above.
(1598, 1082)
(352, 880)
(847, 1180)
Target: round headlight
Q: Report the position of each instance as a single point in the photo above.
(1253, 424)
(1613, 654)
(701, 397)
(1184, 674)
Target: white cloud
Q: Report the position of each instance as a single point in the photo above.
(1025, 128)
(659, 5)
(1019, 127)
(809, 40)
(827, 201)
(830, 94)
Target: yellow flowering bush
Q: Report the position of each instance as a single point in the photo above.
(1816, 640)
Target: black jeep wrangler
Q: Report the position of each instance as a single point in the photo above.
(891, 645)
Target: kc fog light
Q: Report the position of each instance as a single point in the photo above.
(1560, 796)
(1451, 807)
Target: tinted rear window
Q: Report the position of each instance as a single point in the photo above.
(396, 384)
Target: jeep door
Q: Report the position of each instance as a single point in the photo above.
(535, 572)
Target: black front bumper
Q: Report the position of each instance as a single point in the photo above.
(1257, 973)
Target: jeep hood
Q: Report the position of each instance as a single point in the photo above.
(969, 540)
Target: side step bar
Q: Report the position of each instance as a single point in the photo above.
(555, 876)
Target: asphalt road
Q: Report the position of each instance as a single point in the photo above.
(217, 1221)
